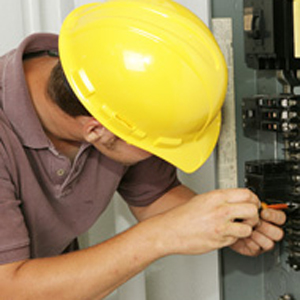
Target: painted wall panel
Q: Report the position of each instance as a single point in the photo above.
(52, 13)
(11, 29)
(202, 8)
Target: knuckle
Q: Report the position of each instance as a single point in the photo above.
(245, 231)
(224, 211)
(253, 210)
(220, 230)
(248, 231)
(249, 193)
(229, 241)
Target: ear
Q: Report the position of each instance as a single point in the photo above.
(92, 130)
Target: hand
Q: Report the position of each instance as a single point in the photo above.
(208, 221)
(264, 236)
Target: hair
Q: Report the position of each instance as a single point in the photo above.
(62, 94)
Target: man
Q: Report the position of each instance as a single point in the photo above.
(61, 161)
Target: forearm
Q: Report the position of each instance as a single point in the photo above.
(202, 224)
(93, 273)
(88, 274)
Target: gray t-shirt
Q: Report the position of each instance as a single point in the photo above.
(45, 200)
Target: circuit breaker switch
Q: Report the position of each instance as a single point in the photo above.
(250, 113)
(253, 23)
(287, 127)
(285, 115)
(285, 102)
(295, 144)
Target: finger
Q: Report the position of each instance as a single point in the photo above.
(242, 195)
(244, 212)
(247, 247)
(270, 231)
(238, 230)
(253, 248)
(273, 216)
(264, 242)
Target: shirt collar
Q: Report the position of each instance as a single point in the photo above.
(17, 104)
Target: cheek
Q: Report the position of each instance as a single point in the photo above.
(139, 153)
(123, 152)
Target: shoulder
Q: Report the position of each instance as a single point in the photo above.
(152, 166)
(10, 145)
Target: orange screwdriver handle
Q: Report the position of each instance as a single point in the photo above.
(278, 206)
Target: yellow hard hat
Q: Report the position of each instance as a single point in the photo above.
(151, 72)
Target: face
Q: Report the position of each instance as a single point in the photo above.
(109, 144)
(121, 151)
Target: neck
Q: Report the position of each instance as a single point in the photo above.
(62, 129)
(66, 147)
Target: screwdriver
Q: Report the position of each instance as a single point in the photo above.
(281, 206)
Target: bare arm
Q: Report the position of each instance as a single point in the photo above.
(88, 274)
(262, 239)
(202, 224)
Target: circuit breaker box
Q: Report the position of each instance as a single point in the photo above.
(266, 51)
(271, 40)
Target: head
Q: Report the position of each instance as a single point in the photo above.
(150, 72)
(95, 133)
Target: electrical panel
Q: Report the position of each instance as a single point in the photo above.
(270, 33)
(272, 39)
(277, 181)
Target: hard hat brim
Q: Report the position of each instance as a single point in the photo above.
(189, 157)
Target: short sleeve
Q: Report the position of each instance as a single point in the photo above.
(14, 239)
(147, 181)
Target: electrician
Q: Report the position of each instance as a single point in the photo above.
(129, 90)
